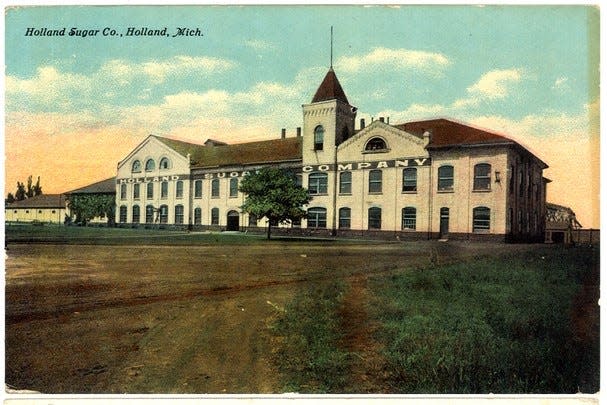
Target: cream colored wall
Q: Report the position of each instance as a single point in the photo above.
(53, 215)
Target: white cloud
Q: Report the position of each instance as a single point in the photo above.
(560, 83)
(394, 59)
(495, 84)
(259, 45)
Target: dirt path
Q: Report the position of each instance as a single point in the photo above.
(366, 372)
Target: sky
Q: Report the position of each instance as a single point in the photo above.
(75, 106)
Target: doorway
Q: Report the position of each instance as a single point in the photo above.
(444, 223)
(233, 221)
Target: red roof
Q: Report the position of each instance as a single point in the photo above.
(330, 89)
(40, 201)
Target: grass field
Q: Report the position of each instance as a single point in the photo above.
(91, 310)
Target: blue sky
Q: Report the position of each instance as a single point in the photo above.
(528, 71)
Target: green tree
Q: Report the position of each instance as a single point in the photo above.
(273, 193)
(10, 198)
(20, 193)
(89, 206)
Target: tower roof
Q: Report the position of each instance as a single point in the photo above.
(330, 89)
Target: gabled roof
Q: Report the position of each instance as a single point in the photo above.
(40, 201)
(330, 89)
(106, 186)
(274, 150)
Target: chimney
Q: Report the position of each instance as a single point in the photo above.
(428, 135)
(298, 132)
(283, 133)
(388, 120)
(381, 119)
(362, 123)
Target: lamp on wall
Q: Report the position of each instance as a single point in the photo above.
(498, 176)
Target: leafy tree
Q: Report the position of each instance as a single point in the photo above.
(10, 198)
(20, 193)
(89, 206)
(273, 193)
(37, 189)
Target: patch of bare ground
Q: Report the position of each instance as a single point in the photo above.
(367, 363)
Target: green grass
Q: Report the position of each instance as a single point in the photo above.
(492, 325)
(307, 356)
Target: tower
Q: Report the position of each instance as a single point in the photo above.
(327, 121)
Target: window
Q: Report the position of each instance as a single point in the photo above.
(123, 191)
(179, 189)
(198, 189)
(410, 180)
(135, 214)
(149, 214)
(317, 183)
(215, 216)
(39, 211)
(252, 220)
(375, 181)
(409, 218)
(319, 137)
(375, 144)
(511, 183)
(481, 219)
(165, 163)
(164, 189)
(197, 216)
(215, 188)
(164, 214)
(150, 165)
(150, 191)
(123, 213)
(233, 187)
(445, 178)
(317, 217)
(374, 218)
(344, 218)
(345, 183)
(521, 184)
(482, 176)
(53, 211)
(179, 214)
(136, 167)
(136, 191)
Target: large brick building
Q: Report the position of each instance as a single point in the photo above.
(423, 179)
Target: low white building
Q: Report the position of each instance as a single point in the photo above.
(44, 208)
(423, 179)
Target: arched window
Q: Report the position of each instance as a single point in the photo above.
(136, 167)
(375, 180)
(179, 189)
(165, 163)
(215, 216)
(149, 214)
(319, 137)
(482, 176)
(233, 187)
(317, 183)
(123, 214)
(179, 214)
(164, 189)
(410, 180)
(135, 214)
(317, 217)
(409, 220)
(150, 191)
(164, 214)
(198, 189)
(150, 165)
(344, 218)
(445, 178)
(481, 220)
(197, 216)
(374, 218)
(215, 188)
(376, 144)
(345, 183)
(123, 191)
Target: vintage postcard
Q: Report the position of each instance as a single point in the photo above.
(396, 201)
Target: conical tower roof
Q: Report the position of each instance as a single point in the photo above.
(330, 89)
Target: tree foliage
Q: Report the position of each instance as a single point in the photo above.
(273, 193)
(22, 192)
(89, 206)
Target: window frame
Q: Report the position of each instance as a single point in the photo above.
(233, 187)
(136, 166)
(164, 190)
(122, 214)
(318, 183)
(163, 214)
(480, 224)
(136, 191)
(135, 214)
(149, 191)
(149, 214)
(374, 218)
(319, 137)
(372, 145)
(442, 177)
(345, 183)
(197, 216)
(215, 188)
(179, 214)
(482, 181)
(344, 222)
(164, 164)
(197, 188)
(375, 184)
(408, 181)
(408, 219)
(150, 165)
(123, 191)
(214, 216)
(317, 217)
(179, 189)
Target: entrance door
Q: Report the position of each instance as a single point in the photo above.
(444, 222)
(233, 221)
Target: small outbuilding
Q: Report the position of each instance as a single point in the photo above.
(44, 208)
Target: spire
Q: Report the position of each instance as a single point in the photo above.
(330, 89)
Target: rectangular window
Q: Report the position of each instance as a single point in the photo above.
(122, 214)
(445, 178)
(197, 216)
(409, 218)
(150, 191)
(482, 177)
(164, 189)
(179, 189)
(136, 213)
(410, 180)
(136, 191)
(344, 218)
(198, 189)
(164, 214)
(374, 218)
(233, 188)
(123, 191)
(215, 188)
(375, 180)
(345, 183)
(179, 214)
(215, 216)
(317, 218)
(317, 183)
(481, 219)
(149, 214)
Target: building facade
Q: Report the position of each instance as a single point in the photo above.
(44, 208)
(419, 180)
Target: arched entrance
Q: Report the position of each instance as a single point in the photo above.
(233, 221)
